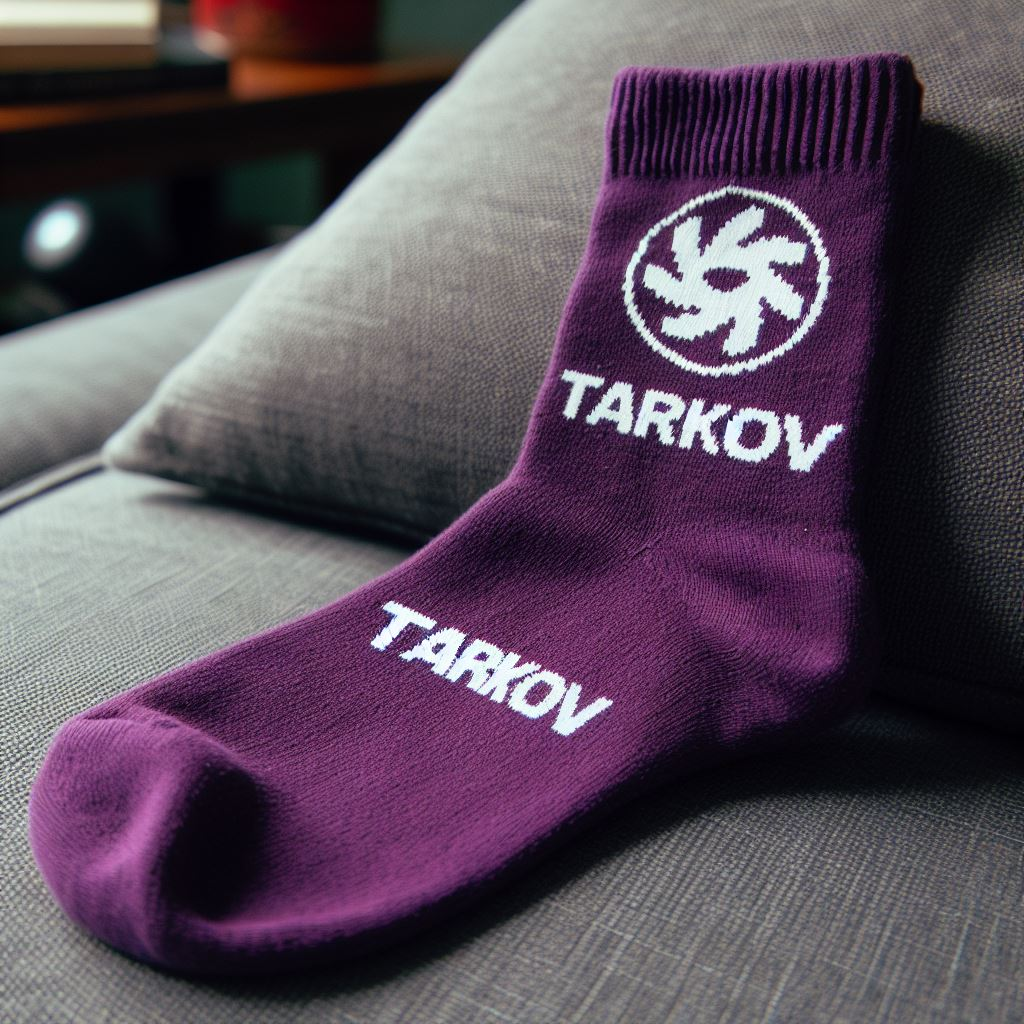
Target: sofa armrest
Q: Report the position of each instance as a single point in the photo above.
(66, 385)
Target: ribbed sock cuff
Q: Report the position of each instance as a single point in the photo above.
(819, 115)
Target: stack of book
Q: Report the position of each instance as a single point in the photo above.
(62, 49)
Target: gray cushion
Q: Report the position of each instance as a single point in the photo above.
(66, 384)
(385, 367)
(873, 874)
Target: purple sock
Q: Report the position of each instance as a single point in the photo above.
(670, 577)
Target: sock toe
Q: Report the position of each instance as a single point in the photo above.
(142, 827)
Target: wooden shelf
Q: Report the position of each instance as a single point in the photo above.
(345, 112)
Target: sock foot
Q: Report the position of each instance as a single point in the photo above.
(145, 829)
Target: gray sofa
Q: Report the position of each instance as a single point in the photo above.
(873, 874)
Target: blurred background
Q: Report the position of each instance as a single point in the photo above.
(142, 140)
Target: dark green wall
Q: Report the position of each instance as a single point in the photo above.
(458, 25)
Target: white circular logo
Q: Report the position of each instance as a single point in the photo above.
(730, 281)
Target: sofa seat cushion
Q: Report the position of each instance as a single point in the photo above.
(873, 873)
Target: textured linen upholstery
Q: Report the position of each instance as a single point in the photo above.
(873, 874)
(384, 369)
(67, 384)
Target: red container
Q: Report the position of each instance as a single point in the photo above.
(287, 28)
